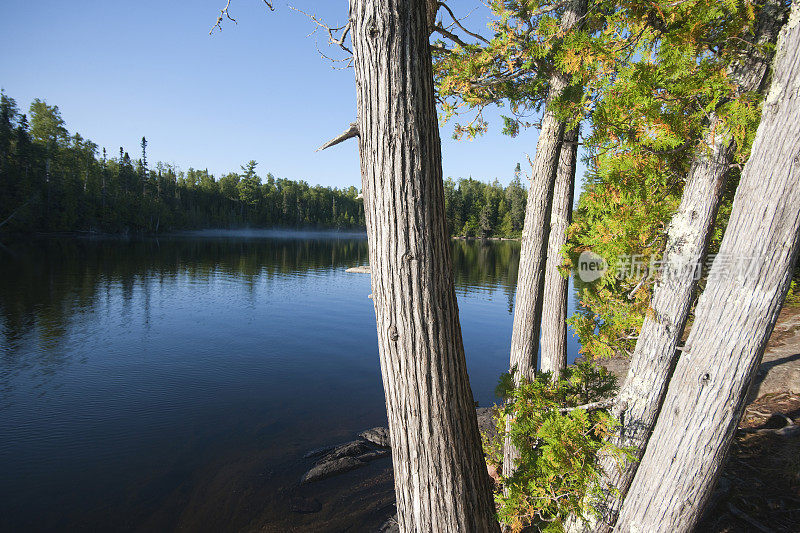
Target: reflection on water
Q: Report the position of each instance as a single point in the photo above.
(175, 383)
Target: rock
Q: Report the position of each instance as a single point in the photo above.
(316, 452)
(350, 449)
(327, 468)
(390, 526)
(494, 474)
(378, 436)
(340, 459)
(374, 454)
(486, 421)
(364, 269)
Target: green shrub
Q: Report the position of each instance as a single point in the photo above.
(557, 468)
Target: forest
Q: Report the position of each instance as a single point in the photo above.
(687, 114)
(689, 222)
(54, 181)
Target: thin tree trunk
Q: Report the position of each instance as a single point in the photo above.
(735, 315)
(441, 481)
(556, 286)
(654, 357)
(533, 253)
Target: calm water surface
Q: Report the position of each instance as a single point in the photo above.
(174, 384)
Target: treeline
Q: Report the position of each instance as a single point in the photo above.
(54, 181)
(478, 209)
(51, 180)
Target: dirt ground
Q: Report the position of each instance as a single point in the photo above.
(760, 487)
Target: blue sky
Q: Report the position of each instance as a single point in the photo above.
(257, 90)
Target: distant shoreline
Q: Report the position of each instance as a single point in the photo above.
(275, 232)
(463, 238)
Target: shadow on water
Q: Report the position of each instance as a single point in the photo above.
(175, 383)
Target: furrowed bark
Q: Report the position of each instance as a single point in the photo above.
(441, 481)
(735, 315)
(533, 253)
(654, 357)
(556, 286)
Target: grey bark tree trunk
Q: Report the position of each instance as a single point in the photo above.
(655, 354)
(556, 286)
(441, 481)
(734, 318)
(530, 283)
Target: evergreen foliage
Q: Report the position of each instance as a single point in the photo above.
(557, 468)
(477, 209)
(664, 70)
(647, 77)
(54, 181)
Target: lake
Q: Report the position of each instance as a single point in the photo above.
(175, 383)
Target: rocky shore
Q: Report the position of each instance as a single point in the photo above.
(759, 489)
(367, 446)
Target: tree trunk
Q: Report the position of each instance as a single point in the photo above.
(734, 318)
(556, 286)
(533, 253)
(441, 481)
(655, 354)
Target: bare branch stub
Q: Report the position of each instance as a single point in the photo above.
(594, 406)
(349, 133)
(224, 14)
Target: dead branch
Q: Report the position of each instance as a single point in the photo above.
(594, 406)
(3, 223)
(735, 511)
(441, 30)
(640, 284)
(457, 22)
(224, 14)
(336, 35)
(351, 132)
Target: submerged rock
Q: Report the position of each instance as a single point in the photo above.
(378, 436)
(341, 458)
(374, 454)
(327, 468)
(316, 452)
(390, 526)
(363, 269)
(303, 505)
(350, 449)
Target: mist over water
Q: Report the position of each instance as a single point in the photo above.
(175, 383)
(275, 233)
